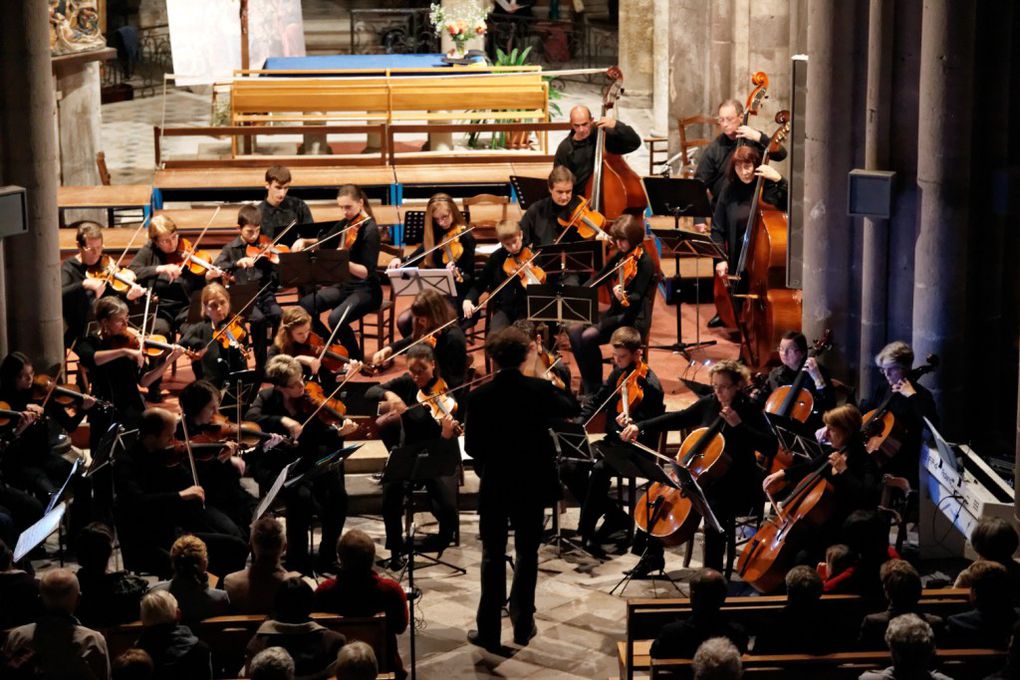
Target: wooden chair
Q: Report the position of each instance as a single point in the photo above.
(687, 144)
(484, 227)
(104, 173)
(379, 325)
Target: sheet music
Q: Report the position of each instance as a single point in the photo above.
(39, 532)
(273, 492)
(412, 280)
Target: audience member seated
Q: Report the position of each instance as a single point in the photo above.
(56, 645)
(912, 646)
(174, 649)
(19, 592)
(989, 623)
(107, 598)
(273, 663)
(717, 659)
(253, 590)
(994, 539)
(358, 591)
(838, 570)
(133, 664)
(866, 533)
(802, 626)
(1011, 671)
(356, 661)
(190, 582)
(312, 647)
(902, 587)
(680, 639)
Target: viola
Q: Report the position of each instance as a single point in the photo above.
(328, 409)
(453, 250)
(882, 432)
(106, 269)
(8, 415)
(521, 265)
(231, 335)
(351, 233)
(156, 345)
(631, 392)
(548, 361)
(198, 262)
(334, 358)
(436, 398)
(264, 247)
(221, 428)
(587, 222)
(44, 386)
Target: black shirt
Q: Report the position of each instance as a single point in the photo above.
(540, 225)
(636, 289)
(218, 362)
(115, 381)
(511, 299)
(450, 352)
(715, 159)
(651, 404)
(418, 423)
(276, 218)
(579, 157)
(365, 250)
(732, 210)
(263, 271)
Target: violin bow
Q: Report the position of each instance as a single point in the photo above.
(608, 399)
(194, 246)
(618, 265)
(191, 455)
(434, 248)
(507, 281)
(363, 217)
(268, 247)
(332, 335)
(237, 316)
(425, 337)
(347, 379)
(132, 241)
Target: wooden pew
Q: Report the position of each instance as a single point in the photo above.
(957, 663)
(646, 617)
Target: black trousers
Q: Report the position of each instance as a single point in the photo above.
(495, 518)
(356, 302)
(442, 493)
(264, 320)
(325, 496)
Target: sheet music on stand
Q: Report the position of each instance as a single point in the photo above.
(60, 494)
(314, 267)
(572, 257)
(799, 444)
(36, 534)
(407, 281)
(328, 462)
(563, 304)
(270, 497)
(573, 441)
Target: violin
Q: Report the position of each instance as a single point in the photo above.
(521, 265)
(627, 271)
(631, 392)
(198, 262)
(44, 386)
(106, 269)
(882, 432)
(548, 361)
(264, 247)
(437, 400)
(453, 250)
(351, 232)
(221, 428)
(231, 335)
(334, 357)
(587, 222)
(7, 414)
(155, 345)
(329, 410)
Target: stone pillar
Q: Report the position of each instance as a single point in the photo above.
(690, 51)
(943, 177)
(30, 160)
(828, 157)
(636, 40)
(661, 63)
(874, 256)
(79, 125)
(720, 54)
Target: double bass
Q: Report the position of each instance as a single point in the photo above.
(613, 188)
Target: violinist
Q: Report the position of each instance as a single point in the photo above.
(853, 472)
(793, 353)
(294, 338)
(541, 362)
(285, 409)
(629, 293)
(403, 422)
(360, 294)
(540, 222)
(264, 314)
(644, 393)
(511, 301)
(158, 500)
(78, 289)
(219, 338)
(429, 312)
(442, 221)
(577, 151)
(908, 401)
(220, 472)
(116, 365)
(745, 431)
(278, 209)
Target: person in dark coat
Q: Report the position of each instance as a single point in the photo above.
(902, 586)
(989, 623)
(577, 151)
(515, 459)
(277, 209)
(681, 639)
(802, 626)
(175, 651)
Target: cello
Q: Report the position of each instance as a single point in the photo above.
(613, 188)
(883, 435)
(770, 308)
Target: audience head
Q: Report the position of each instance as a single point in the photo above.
(94, 547)
(508, 347)
(989, 585)
(911, 642)
(158, 608)
(901, 583)
(356, 661)
(717, 659)
(272, 663)
(294, 601)
(59, 591)
(190, 559)
(708, 591)
(356, 552)
(995, 539)
(133, 664)
(268, 542)
(803, 586)
(867, 534)
(838, 559)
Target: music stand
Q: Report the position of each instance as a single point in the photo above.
(35, 535)
(105, 448)
(270, 497)
(571, 257)
(327, 463)
(529, 190)
(313, 268)
(562, 304)
(305, 230)
(572, 438)
(682, 198)
(412, 463)
(792, 439)
(406, 281)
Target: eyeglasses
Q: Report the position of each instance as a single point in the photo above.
(886, 370)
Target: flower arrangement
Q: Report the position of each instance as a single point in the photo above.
(461, 24)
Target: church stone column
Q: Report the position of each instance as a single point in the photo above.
(689, 60)
(29, 159)
(661, 64)
(79, 126)
(636, 41)
(943, 177)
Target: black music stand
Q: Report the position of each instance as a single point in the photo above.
(414, 228)
(313, 268)
(529, 190)
(682, 198)
(421, 462)
(571, 442)
(571, 257)
(305, 230)
(563, 304)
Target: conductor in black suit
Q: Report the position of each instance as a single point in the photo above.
(507, 434)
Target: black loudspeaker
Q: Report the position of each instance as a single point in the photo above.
(13, 211)
(869, 193)
(795, 144)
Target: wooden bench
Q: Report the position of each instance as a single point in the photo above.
(249, 184)
(957, 663)
(228, 636)
(646, 617)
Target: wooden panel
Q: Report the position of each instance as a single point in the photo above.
(539, 170)
(103, 196)
(439, 174)
(255, 177)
